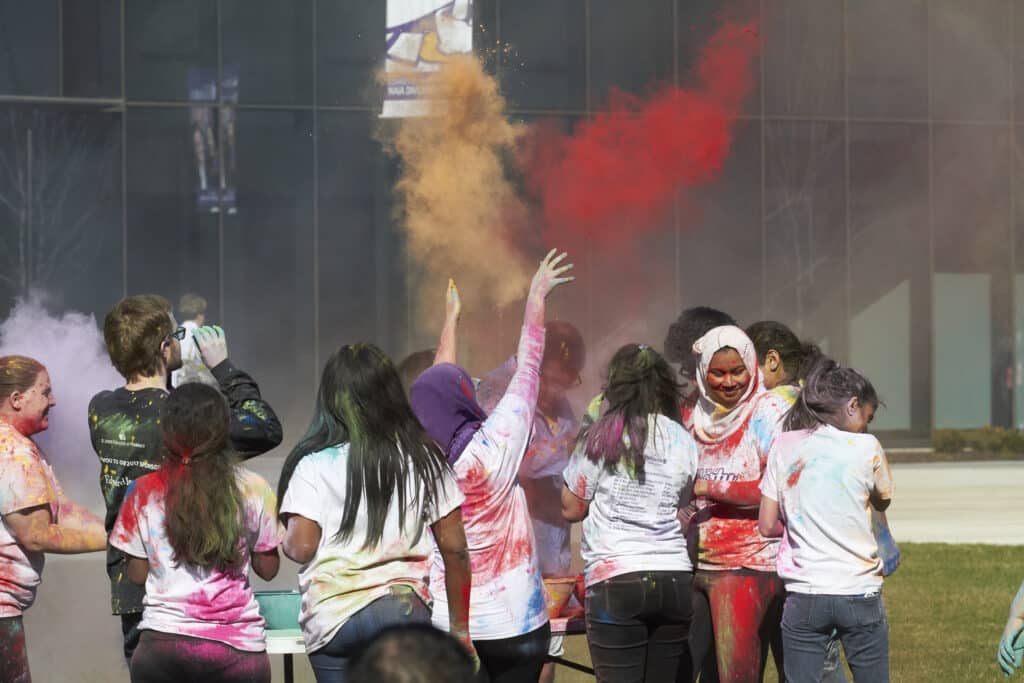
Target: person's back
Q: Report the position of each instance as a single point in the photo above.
(191, 532)
(508, 618)
(825, 478)
(358, 493)
(633, 524)
(507, 594)
(632, 471)
(201, 602)
(344, 576)
(124, 423)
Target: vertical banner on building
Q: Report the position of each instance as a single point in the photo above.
(215, 177)
(421, 36)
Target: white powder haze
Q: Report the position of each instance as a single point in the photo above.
(70, 345)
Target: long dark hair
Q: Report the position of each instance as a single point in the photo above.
(797, 357)
(361, 403)
(827, 388)
(203, 500)
(640, 383)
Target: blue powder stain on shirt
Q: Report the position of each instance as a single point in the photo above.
(536, 603)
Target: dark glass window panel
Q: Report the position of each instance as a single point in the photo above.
(698, 21)
(888, 58)
(890, 269)
(60, 206)
(719, 234)
(173, 246)
(805, 230)
(630, 47)
(29, 47)
(543, 55)
(971, 57)
(350, 46)
(166, 43)
(268, 258)
(362, 263)
(91, 54)
(271, 42)
(803, 55)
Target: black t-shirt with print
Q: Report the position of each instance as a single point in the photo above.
(125, 430)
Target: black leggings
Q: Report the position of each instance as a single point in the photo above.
(170, 658)
(514, 660)
(13, 653)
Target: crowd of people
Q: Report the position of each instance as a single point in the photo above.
(731, 502)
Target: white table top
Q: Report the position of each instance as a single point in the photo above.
(285, 642)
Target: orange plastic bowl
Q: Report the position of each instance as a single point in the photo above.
(557, 591)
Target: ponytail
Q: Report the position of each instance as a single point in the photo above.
(203, 515)
(640, 383)
(827, 388)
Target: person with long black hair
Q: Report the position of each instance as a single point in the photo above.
(631, 472)
(191, 531)
(358, 494)
(824, 476)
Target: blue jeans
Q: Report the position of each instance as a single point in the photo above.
(808, 622)
(330, 663)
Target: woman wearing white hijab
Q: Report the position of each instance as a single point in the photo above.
(734, 423)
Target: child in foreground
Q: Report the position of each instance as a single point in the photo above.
(191, 530)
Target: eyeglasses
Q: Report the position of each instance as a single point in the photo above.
(178, 334)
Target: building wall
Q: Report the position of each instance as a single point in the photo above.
(869, 201)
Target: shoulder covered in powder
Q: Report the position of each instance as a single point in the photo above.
(251, 482)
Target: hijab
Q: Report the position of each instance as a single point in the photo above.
(444, 400)
(713, 422)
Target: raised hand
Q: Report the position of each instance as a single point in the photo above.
(550, 274)
(213, 346)
(453, 304)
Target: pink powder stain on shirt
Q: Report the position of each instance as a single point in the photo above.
(223, 600)
(580, 487)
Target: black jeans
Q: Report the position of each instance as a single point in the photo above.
(130, 631)
(514, 660)
(638, 626)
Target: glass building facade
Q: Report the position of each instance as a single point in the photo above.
(228, 147)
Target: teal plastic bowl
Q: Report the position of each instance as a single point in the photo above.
(280, 609)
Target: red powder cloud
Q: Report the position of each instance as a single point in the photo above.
(616, 176)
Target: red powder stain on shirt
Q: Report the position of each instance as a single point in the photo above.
(143, 489)
(794, 475)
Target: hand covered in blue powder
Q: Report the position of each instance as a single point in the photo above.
(1011, 645)
(1011, 650)
(212, 344)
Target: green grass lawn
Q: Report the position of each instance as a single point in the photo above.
(947, 605)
